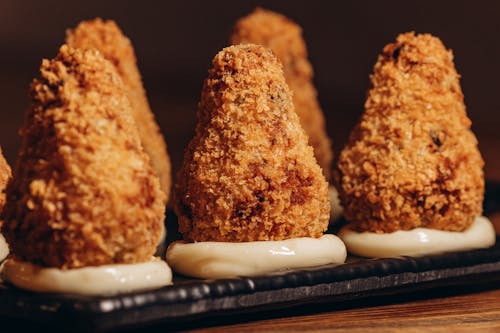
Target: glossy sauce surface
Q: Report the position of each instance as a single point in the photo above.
(419, 241)
(99, 280)
(214, 260)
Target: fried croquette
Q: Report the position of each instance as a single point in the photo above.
(412, 161)
(284, 38)
(83, 191)
(249, 173)
(5, 175)
(107, 38)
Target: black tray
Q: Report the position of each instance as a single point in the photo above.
(190, 298)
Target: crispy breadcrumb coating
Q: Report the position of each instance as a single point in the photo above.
(248, 173)
(5, 175)
(284, 38)
(412, 161)
(83, 191)
(107, 38)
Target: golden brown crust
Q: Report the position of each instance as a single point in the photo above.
(5, 175)
(412, 161)
(284, 38)
(248, 173)
(107, 38)
(83, 191)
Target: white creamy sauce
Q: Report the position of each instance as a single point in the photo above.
(336, 209)
(418, 241)
(214, 260)
(95, 280)
(4, 248)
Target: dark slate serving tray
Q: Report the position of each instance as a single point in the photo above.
(190, 298)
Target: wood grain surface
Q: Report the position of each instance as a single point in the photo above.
(479, 311)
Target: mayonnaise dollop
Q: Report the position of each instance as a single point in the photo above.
(95, 280)
(213, 260)
(418, 241)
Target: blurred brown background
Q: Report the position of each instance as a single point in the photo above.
(175, 42)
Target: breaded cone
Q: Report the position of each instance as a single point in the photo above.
(5, 175)
(412, 161)
(284, 38)
(83, 191)
(249, 173)
(107, 38)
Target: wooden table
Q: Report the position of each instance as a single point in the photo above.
(470, 309)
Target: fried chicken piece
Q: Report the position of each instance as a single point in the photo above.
(107, 38)
(248, 173)
(284, 38)
(412, 161)
(83, 191)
